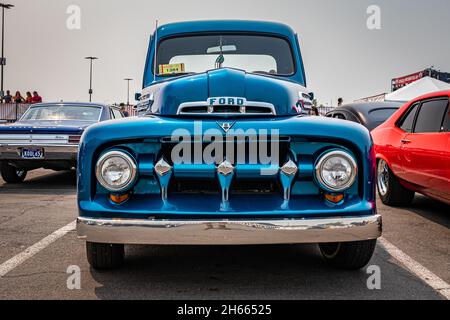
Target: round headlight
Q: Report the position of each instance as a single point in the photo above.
(336, 171)
(116, 171)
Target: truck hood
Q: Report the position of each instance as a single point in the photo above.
(168, 95)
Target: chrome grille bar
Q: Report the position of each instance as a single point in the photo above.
(249, 108)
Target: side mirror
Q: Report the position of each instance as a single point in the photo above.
(137, 96)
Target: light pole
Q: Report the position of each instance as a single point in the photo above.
(90, 78)
(128, 90)
(3, 59)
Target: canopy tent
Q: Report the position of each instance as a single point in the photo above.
(416, 89)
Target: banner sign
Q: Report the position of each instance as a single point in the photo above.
(404, 81)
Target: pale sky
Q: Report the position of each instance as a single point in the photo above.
(342, 57)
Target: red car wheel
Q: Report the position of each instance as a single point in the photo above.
(391, 192)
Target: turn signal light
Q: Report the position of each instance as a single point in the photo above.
(334, 198)
(118, 199)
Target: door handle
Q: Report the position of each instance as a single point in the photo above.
(406, 141)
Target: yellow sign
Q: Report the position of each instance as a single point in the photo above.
(171, 68)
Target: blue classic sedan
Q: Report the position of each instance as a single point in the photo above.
(47, 136)
(226, 154)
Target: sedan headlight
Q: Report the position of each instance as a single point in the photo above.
(116, 171)
(336, 171)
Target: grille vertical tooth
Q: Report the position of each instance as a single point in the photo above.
(164, 173)
(225, 173)
(287, 176)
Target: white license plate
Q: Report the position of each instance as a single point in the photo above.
(32, 153)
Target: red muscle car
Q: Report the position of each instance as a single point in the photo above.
(413, 151)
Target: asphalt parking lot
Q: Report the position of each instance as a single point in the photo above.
(413, 256)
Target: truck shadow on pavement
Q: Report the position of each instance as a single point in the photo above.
(249, 272)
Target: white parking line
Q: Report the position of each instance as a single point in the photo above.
(417, 269)
(16, 261)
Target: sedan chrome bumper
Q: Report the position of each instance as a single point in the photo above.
(12, 152)
(229, 232)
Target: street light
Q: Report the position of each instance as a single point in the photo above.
(128, 90)
(90, 79)
(3, 59)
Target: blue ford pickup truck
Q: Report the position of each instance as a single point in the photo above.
(225, 153)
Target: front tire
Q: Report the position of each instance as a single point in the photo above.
(103, 256)
(11, 174)
(391, 192)
(348, 255)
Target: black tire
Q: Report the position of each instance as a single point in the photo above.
(11, 174)
(103, 256)
(390, 190)
(348, 255)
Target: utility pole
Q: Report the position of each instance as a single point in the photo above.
(90, 78)
(3, 59)
(128, 90)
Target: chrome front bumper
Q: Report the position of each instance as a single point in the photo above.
(51, 152)
(229, 232)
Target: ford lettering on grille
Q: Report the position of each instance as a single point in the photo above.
(227, 101)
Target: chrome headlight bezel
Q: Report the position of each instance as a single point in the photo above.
(342, 154)
(130, 162)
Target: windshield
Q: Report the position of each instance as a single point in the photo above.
(201, 53)
(58, 113)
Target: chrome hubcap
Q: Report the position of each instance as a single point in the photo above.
(383, 177)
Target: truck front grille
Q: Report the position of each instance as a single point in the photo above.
(244, 150)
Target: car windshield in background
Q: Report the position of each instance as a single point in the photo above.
(60, 113)
(252, 53)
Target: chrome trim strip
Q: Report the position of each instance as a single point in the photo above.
(18, 145)
(192, 104)
(34, 138)
(210, 108)
(229, 232)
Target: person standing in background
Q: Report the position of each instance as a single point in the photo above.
(340, 102)
(18, 98)
(36, 97)
(8, 97)
(29, 98)
(315, 111)
(125, 113)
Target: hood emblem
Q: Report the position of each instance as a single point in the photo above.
(226, 126)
